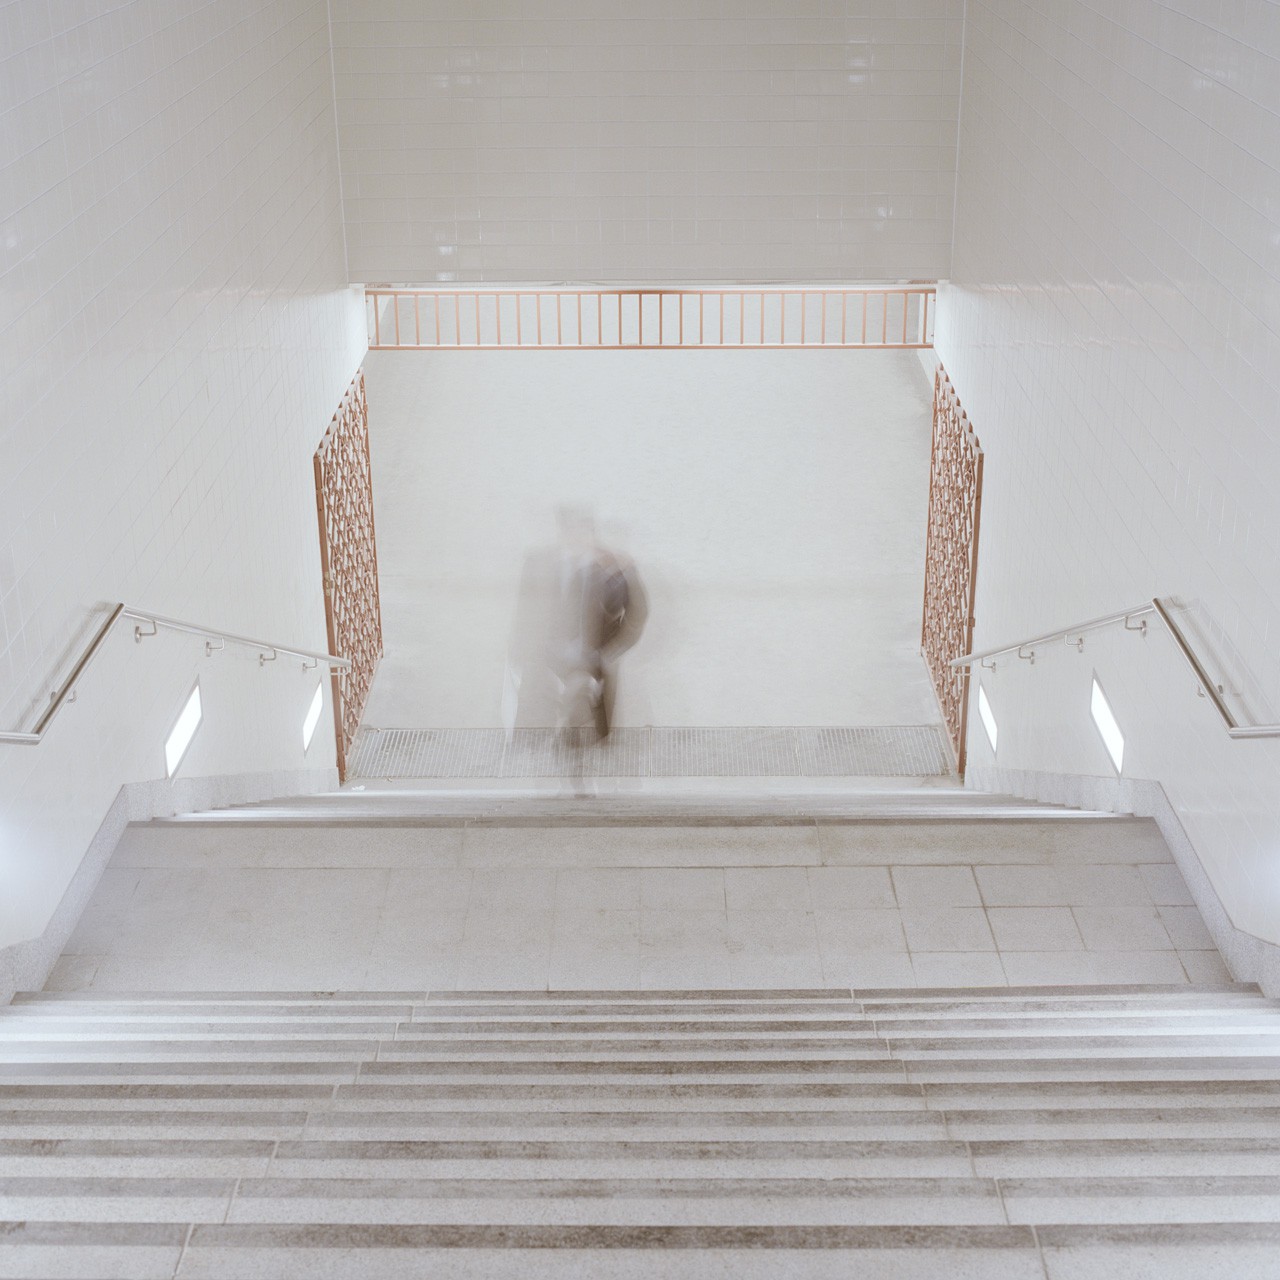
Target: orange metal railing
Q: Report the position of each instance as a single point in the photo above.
(644, 318)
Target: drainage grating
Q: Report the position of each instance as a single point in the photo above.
(853, 751)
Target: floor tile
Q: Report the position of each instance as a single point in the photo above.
(1165, 885)
(684, 971)
(514, 968)
(958, 969)
(1186, 928)
(842, 933)
(585, 969)
(603, 888)
(868, 970)
(601, 929)
(1109, 886)
(665, 932)
(502, 930)
(772, 933)
(950, 929)
(850, 888)
(754, 969)
(427, 889)
(1205, 966)
(766, 888)
(511, 888)
(682, 888)
(1021, 886)
(1035, 929)
(1122, 928)
(930, 888)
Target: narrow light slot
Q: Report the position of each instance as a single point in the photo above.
(988, 717)
(313, 717)
(180, 738)
(1105, 719)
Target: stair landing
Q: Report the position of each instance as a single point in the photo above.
(404, 891)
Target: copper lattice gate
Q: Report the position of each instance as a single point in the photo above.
(951, 557)
(349, 559)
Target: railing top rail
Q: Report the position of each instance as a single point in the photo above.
(66, 690)
(1094, 624)
(651, 317)
(1160, 607)
(613, 291)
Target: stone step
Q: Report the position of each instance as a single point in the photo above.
(396, 1252)
(449, 1125)
(542, 1252)
(1029, 1048)
(237, 1050)
(135, 1157)
(644, 1201)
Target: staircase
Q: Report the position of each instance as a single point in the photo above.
(1000, 1134)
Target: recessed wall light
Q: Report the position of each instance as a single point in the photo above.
(183, 731)
(987, 716)
(1105, 719)
(313, 717)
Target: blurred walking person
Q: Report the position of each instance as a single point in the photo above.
(581, 606)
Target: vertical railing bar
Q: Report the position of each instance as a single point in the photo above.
(457, 319)
(904, 317)
(804, 316)
(619, 317)
(377, 321)
(924, 318)
(581, 340)
(519, 297)
(600, 320)
(417, 320)
(762, 316)
(701, 298)
(559, 319)
(395, 302)
(497, 315)
(476, 297)
(660, 317)
(884, 318)
(742, 319)
(844, 315)
(822, 333)
(721, 319)
(680, 332)
(864, 320)
(537, 305)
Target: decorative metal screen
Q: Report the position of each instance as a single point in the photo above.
(349, 559)
(951, 556)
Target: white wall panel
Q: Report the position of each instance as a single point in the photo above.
(773, 503)
(177, 331)
(653, 140)
(1113, 333)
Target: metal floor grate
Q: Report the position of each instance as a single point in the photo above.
(854, 751)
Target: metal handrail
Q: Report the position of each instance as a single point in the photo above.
(66, 691)
(1209, 687)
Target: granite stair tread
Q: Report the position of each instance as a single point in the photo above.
(975, 1133)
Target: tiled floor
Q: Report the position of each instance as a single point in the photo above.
(861, 904)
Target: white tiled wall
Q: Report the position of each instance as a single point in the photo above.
(1113, 333)
(177, 331)
(672, 140)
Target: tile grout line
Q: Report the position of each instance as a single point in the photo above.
(182, 1252)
